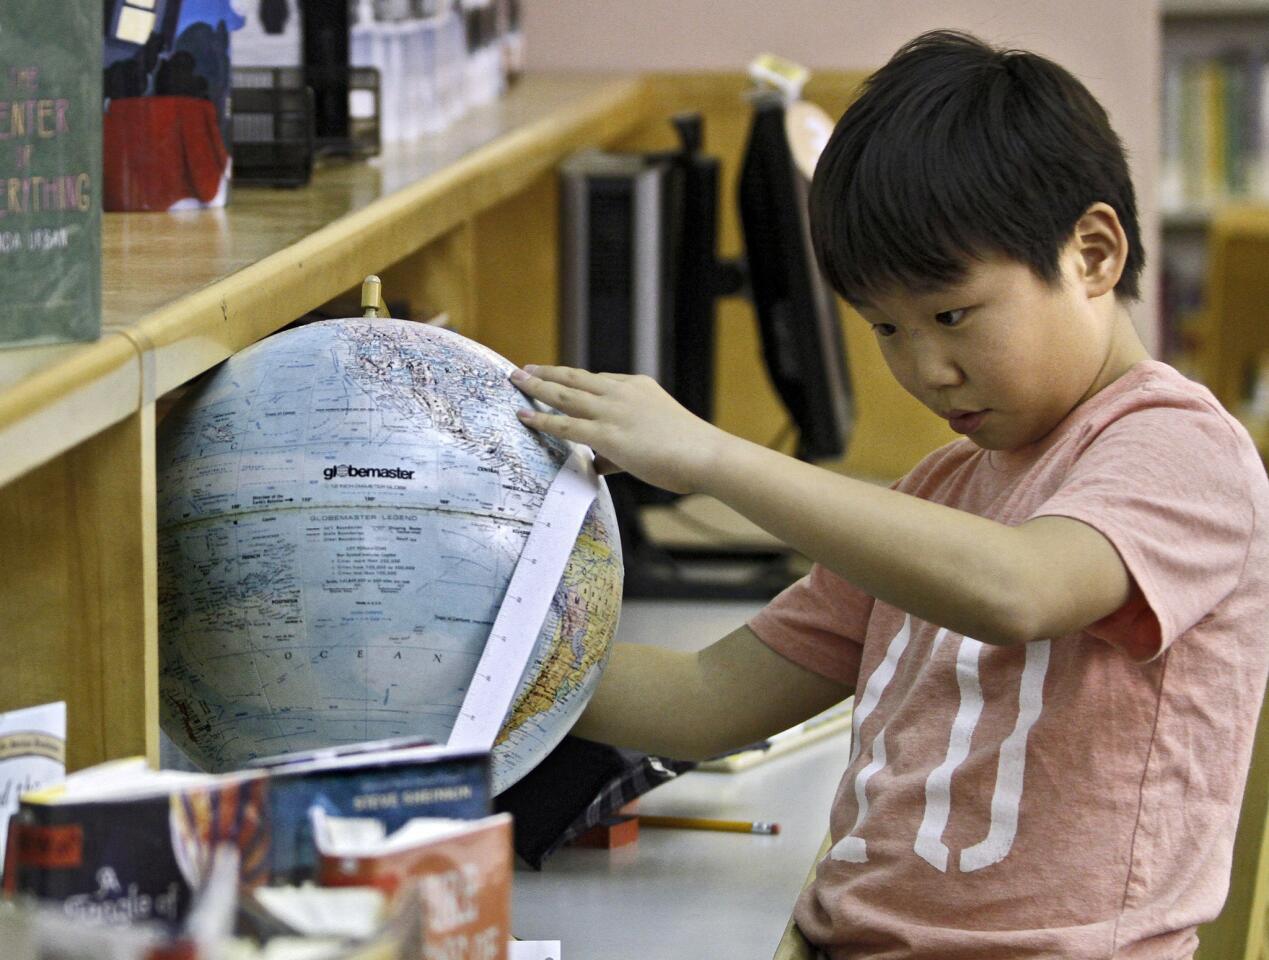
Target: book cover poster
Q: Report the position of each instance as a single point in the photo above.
(32, 755)
(50, 171)
(166, 109)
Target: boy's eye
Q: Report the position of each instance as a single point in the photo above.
(950, 318)
(883, 329)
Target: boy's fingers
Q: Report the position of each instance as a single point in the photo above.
(571, 377)
(565, 399)
(557, 425)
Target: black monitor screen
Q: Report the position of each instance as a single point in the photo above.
(797, 311)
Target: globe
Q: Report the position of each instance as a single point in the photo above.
(340, 509)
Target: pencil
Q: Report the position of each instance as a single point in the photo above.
(702, 823)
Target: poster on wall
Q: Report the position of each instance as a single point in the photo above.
(166, 110)
(50, 172)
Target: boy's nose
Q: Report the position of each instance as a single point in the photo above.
(936, 368)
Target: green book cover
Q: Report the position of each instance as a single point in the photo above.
(50, 171)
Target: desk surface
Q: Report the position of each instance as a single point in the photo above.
(690, 893)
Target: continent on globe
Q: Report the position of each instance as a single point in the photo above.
(341, 506)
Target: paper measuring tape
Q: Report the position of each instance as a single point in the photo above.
(524, 606)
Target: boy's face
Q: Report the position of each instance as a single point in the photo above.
(1002, 355)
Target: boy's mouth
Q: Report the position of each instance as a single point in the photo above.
(966, 421)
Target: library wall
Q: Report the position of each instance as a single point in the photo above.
(1113, 47)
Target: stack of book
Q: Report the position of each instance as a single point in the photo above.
(401, 834)
(1215, 129)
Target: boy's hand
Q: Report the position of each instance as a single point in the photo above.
(629, 421)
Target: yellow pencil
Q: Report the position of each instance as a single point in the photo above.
(702, 823)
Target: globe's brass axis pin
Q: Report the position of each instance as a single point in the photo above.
(372, 305)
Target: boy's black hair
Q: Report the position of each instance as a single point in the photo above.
(955, 150)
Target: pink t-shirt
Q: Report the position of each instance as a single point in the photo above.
(1074, 797)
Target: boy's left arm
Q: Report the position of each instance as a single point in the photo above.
(996, 583)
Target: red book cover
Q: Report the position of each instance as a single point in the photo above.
(463, 878)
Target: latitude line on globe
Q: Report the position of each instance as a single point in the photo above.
(312, 507)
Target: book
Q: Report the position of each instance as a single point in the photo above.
(459, 870)
(359, 926)
(835, 720)
(121, 843)
(1215, 128)
(165, 104)
(50, 172)
(32, 755)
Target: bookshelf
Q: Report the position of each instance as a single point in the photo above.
(1215, 151)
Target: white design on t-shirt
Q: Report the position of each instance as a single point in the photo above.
(1011, 766)
(852, 848)
(929, 844)
(1007, 796)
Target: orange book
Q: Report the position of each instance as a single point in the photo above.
(461, 870)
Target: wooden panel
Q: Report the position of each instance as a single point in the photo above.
(53, 397)
(892, 431)
(517, 267)
(77, 583)
(438, 279)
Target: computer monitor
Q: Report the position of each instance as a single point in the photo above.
(802, 343)
(640, 281)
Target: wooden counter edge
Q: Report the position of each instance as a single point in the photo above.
(198, 330)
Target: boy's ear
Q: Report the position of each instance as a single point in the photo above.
(1102, 248)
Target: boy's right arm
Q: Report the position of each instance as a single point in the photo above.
(691, 706)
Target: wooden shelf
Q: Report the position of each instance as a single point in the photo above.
(183, 291)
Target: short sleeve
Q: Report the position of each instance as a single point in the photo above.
(818, 623)
(1167, 485)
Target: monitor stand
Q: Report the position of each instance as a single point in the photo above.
(655, 570)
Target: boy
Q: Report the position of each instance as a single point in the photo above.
(1054, 627)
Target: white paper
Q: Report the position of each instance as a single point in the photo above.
(32, 755)
(350, 912)
(368, 837)
(533, 950)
